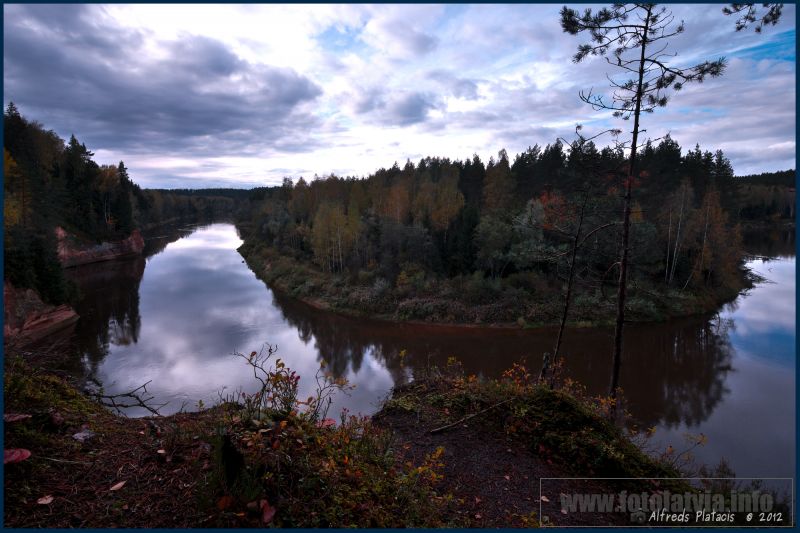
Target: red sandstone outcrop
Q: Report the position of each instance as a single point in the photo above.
(72, 253)
(27, 318)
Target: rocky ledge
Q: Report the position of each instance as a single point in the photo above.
(72, 253)
(27, 318)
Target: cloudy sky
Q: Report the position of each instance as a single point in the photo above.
(222, 95)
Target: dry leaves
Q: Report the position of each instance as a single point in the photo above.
(15, 455)
(267, 512)
(45, 500)
(118, 486)
(224, 502)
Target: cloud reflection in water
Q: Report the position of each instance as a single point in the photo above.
(197, 303)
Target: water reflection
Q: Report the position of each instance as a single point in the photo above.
(687, 360)
(198, 302)
(773, 242)
(109, 307)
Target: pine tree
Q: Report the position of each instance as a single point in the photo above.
(629, 36)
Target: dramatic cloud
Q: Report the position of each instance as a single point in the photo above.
(209, 95)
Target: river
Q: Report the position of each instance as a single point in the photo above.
(176, 316)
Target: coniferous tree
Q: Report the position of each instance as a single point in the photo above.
(629, 36)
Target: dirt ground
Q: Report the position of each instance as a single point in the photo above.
(80, 482)
(497, 479)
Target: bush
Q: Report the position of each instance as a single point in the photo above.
(479, 290)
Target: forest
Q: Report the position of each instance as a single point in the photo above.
(442, 240)
(452, 424)
(49, 182)
(430, 240)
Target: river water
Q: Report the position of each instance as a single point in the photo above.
(176, 316)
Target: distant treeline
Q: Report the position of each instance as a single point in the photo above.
(505, 220)
(212, 192)
(49, 182)
(769, 196)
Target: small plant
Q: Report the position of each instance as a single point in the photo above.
(278, 394)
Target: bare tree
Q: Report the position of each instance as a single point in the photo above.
(632, 38)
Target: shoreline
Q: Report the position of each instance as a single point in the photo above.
(701, 305)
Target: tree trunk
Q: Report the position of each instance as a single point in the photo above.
(678, 235)
(702, 252)
(570, 278)
(626, 221)
(669, 241)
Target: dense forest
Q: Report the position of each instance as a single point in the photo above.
(49, 182)
(413, 240)
(406, 238)
(767, 197)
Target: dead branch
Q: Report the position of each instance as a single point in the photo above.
(119, 402)
(470, 417)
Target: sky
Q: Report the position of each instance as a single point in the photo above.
(244, 95)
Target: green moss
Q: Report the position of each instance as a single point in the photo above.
(31, 390)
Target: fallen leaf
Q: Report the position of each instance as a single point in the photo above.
(267, 512)
(45, 500)
(83, 436)
(545, 499)
(15, 417)
(118, 486)
(15, 455)
(224, 502)
(508, 478)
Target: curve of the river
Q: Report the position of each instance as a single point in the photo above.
(176, 316)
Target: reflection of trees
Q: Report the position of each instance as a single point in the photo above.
(157, 240)
(340, 342)
(770, 242)
(672, 372)
(109, 304)
(344, 342)
(676, 371)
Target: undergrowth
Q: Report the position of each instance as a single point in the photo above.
(280, 461)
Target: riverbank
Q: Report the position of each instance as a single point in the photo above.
(227, 467)
(470, 301)
(27, 319)
(72, 251)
